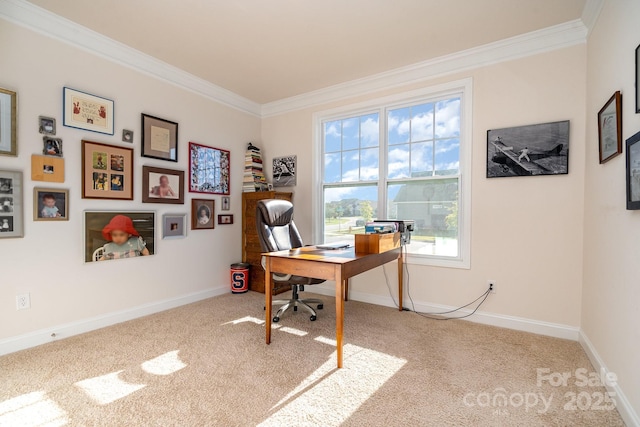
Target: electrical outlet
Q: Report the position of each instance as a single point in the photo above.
(492, 286)
(23, 301)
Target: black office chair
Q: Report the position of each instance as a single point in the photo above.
(277, 232)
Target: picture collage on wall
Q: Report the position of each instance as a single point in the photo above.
(107, 172)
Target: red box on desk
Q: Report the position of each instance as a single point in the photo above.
(377, 243)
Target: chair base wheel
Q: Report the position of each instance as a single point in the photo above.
(276, 319)
(312, 318)
(320, 306)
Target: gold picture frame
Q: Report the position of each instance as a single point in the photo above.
(8, 140)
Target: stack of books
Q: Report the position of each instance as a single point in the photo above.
(254, 179)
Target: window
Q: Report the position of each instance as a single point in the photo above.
(403, 157)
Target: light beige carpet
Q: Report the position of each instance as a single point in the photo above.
(206, 364)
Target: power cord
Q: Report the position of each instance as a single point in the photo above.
(431, 315)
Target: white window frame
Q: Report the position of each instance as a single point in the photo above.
(463, 89)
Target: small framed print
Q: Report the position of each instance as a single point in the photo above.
(174, 226)
(127, 135)
(50, 204)
(202, 214)
(8, 141)
(107, 171)
(610, 128)
(159, 138)
(633, 172)
(52, 146)
(11, 216)
(85, 111)
(47, 168)
(226, 203)
(225, 219)
(47, 125)
(161, 185)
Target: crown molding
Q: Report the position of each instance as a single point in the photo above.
(591, 12)
(533, 43)
(41, 21)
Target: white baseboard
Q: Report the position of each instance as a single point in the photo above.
(57, 332)
(628, 414)
(510, 322)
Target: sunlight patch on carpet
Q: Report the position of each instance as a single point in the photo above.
(294, 331)
(164, 364)
(108, 388)
(32, 409)
(246, 319)
(325, 340)
(329, 396)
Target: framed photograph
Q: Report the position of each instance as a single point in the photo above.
(85, 111)
(638, 79)
(225, 219)
(284, 171)
(127, 135)
(202, 214)
(610, 128)
(112, 235)
(47, 168)
(159, 138)
(633, 172)
(107, 171)
(52, 146)
(541, 149)
(174, 226)
(208, 169)
(50, 204)
(47, 125)
(8, 141)
(226, 203)
(11, 216)
(161, 185)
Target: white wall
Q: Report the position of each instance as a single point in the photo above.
(526, 232)
(48, 261)
(611, 292)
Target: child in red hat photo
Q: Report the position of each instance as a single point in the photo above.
(123, 239)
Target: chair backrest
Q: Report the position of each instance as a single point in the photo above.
(97, 254)
(276, 229)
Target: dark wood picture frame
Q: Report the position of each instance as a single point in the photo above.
(8, 126)
(159, 138)
(154, 178)
(107, 171)
(225, 219)
(209, 169)
(633, 172)
(610, 128)
(83, 110)
(60, 197)
(638, 79)
(202, 214)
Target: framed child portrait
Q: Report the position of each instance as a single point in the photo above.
(111, 235)
(50, 204)
(107, 171)
(202, 211)
(160, 185)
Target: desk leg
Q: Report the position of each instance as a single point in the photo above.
(400, 266)
(339, 313)
(345, 295)
(268, 292)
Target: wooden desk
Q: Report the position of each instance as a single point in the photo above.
(338, 265)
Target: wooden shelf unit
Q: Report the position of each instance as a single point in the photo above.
(250, 242)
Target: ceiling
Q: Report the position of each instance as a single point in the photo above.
(268, 50)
